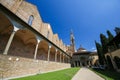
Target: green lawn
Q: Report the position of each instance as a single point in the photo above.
(65, 74)
(108, 75)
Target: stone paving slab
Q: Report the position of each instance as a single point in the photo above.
(86, 74)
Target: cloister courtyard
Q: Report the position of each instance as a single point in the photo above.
(30, 50)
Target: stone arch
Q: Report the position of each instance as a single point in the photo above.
(6, 28)
(83, 60)
(96, 63)
(42, 53)
(66, 59)
(58, 56)
(23, 44)
(75, 63)
(52, 53)
(62, 57)
(117, 61)
(109, 62)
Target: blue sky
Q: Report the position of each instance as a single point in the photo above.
(87, 18)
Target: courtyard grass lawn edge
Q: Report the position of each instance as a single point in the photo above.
(65, 74)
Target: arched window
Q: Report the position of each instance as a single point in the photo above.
(31, 18)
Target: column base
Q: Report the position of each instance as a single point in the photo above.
(5, 53)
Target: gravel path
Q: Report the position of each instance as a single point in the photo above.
(86, 74)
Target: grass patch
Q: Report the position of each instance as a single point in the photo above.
(108, 75)
(65, 74)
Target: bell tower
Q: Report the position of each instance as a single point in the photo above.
(72, 40)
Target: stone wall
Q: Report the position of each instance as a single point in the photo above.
(17, 66)
(95, 59)
(11, 4)
(113, 59)
(25, 10)
(3, 42)
(114, 53)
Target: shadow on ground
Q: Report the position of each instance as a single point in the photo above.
(112, 75)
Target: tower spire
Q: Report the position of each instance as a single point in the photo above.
(72, 39)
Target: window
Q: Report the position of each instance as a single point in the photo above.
(31, 18)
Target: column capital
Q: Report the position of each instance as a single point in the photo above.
(60, 52)
(16, 28)
(65, 50)
(38, 40)
(37, 37)
(56, 50)
(50, 46)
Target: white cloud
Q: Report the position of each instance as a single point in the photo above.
(93, 48)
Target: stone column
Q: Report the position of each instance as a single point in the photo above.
(49, 52)
(63, 58)
(90, 63)
(74, 64)
(60, 56)
(80, 64)
(56, 56)
(77, 63)
(66, 59)
(10, 40)
(36, 48)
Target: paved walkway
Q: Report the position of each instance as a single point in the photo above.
(86, 74)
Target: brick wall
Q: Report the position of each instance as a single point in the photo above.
(26, 66)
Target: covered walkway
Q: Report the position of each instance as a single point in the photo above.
(86, 74)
